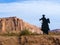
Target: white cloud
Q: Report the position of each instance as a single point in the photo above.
(30, 7)
(31, 11)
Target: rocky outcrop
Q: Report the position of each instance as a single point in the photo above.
(14, 24)
(11, 24)
(33, 28)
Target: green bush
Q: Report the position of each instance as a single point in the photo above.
(25, 32)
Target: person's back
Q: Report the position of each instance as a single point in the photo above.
(48, 20)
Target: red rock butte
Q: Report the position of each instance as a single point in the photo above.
(15, 24)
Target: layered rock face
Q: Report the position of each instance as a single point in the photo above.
(11, 24)
(16, 24)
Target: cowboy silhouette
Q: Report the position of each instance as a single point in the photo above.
(45, 26)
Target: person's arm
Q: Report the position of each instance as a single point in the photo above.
(40, 19)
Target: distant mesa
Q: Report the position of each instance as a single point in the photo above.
(55, 30)
(14, 24)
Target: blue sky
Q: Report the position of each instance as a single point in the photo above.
(31, 10)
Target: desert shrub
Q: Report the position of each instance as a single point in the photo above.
(25, 32)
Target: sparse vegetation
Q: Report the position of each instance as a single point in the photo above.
(10, 34)
(41, 40)
(28, 39)
(25, 32)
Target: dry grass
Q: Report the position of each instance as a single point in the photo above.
(30, 40)
(41, 40)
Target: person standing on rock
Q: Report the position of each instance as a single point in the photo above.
(45, 26)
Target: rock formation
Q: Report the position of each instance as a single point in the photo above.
(32, 28)
(11, 24)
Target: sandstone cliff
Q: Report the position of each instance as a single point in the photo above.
(11, 24)
(14, 24)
